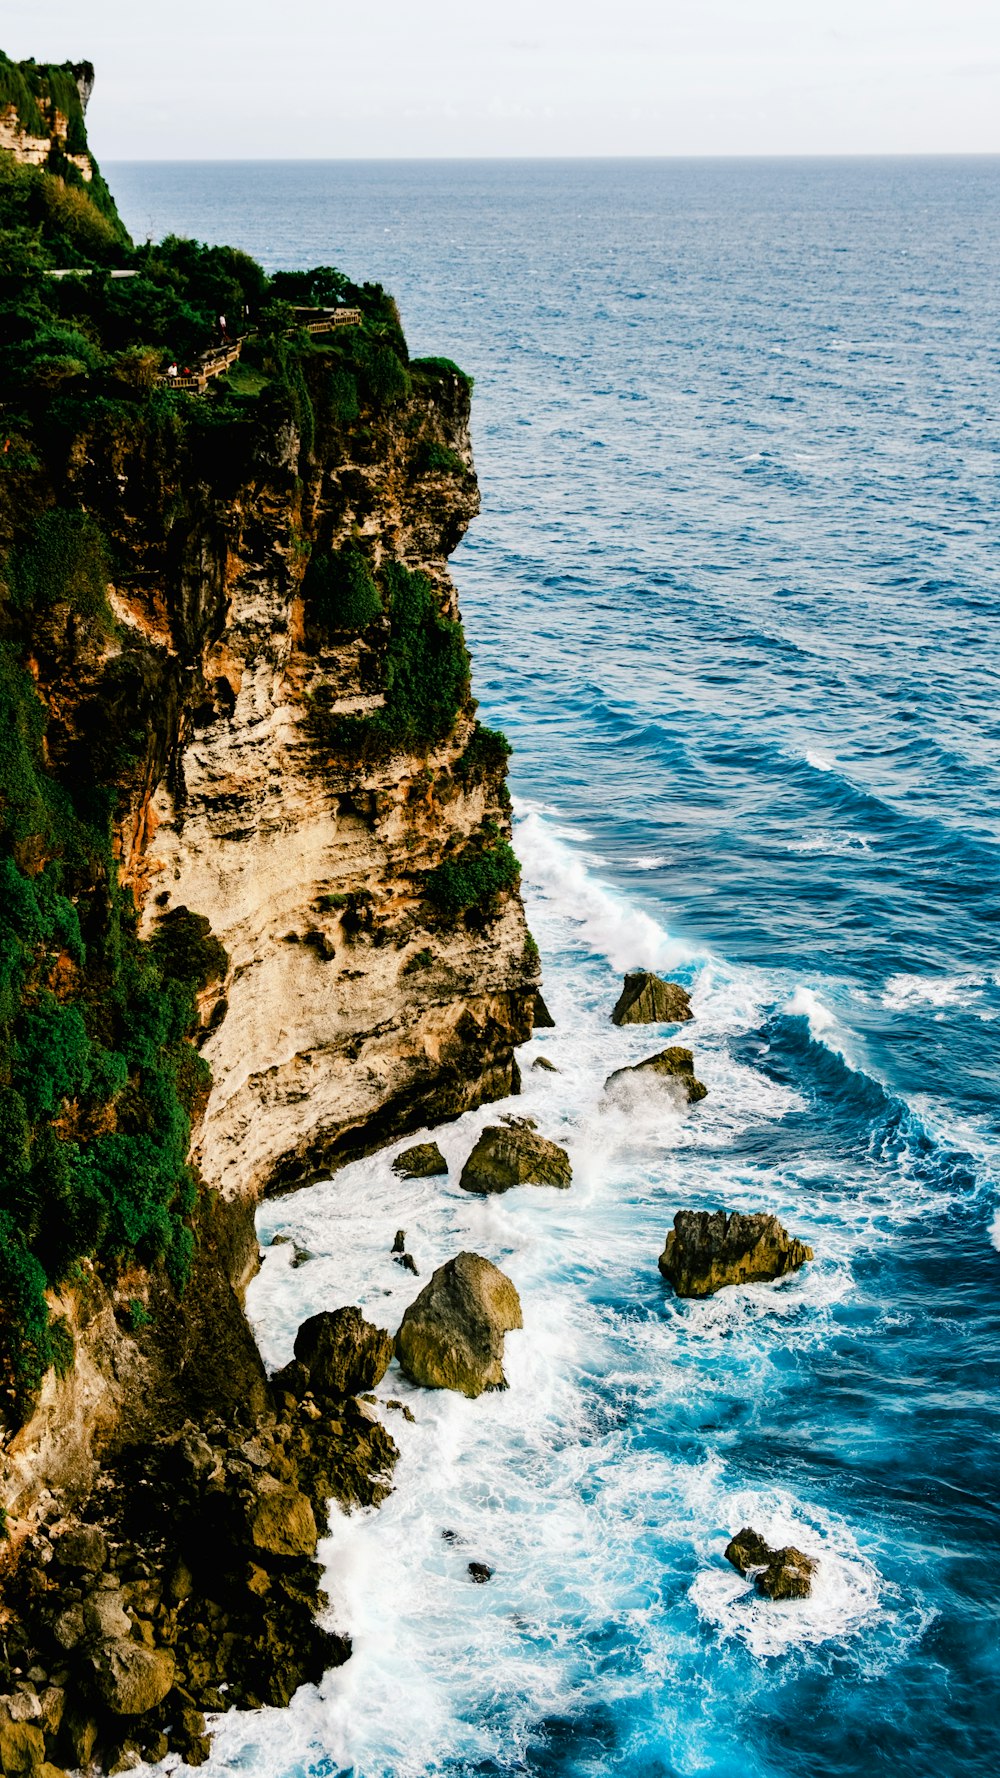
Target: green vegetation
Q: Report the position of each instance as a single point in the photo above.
(426, 677)
(485, 756)
(99, 1080)
(340, 591)
(62, 560)
(433, 458)
(440, 370)
(96, 1075)
(484, 867)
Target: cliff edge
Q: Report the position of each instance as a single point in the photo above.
(259, 911)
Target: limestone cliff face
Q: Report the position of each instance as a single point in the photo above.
(351, 1011)
(49, 128)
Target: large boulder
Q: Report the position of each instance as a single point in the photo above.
(706, 1250)
(648, 1000)
(343, 1353)
(131, 1678)
(22, 1749)
(423, 1161)
(282, 1523)
(511, 1154)
(675, 1065)
(452, 1335)
(777, 1574)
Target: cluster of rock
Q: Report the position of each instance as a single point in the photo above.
(777, 1574)
(125, 1626)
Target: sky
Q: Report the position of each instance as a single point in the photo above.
(306, 79)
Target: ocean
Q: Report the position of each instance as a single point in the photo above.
(733, 596)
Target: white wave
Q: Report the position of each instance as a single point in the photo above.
(995, 1231)
(655, 861)
(904, 991)
(608, 923)
(806, 1004)
(821, 762)
(829, 841)
(846, 1590)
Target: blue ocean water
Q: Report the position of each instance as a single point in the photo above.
(733, 595)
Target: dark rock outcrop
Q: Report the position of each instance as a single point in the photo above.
(648, 1000)
(674, 1064)
(423, 1161)
(542, 1019)
(777, 1574)
(343, 1353)
(452, 1336)
(512, 1154)
(707, 1250)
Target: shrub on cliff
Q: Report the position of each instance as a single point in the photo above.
(63, 560)
(426, 677)
(340, 591)
(96, 1078)
(483, 868)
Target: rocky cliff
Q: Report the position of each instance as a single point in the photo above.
(258, 911)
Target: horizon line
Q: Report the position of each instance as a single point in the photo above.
(305, 160)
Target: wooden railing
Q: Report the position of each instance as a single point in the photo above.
(211, 364)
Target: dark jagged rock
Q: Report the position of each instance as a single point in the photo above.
(512, 1154)
(542, 1019)
(423, 1161)
(777, 1574)
(673, 1064)
(480, 1573)
(343, 1353)
(543, 1063)
(648, 1000)
(707, 1250)
(399, 1244)
(452, 1335)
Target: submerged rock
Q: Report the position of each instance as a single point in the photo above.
(648, 1000)
(512, 1154)
(673, 1064)
(452, 1335)
(707, 1250)
(777, 1574)
(343, 1353)
(423, 1161)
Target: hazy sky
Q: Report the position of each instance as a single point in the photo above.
(305, 78)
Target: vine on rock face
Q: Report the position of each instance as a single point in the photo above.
(426, 678)
(95, 1067)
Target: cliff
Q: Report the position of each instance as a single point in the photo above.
(259, 908)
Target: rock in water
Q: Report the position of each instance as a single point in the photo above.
(423, 1161)
(777, 1574)
(706, 1250)
(675, 1064)
(131, 1678)
(514, 1154)
(648, 1000)
(452, 1335)
(343, 1353)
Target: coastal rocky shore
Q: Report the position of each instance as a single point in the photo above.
(261, 916)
